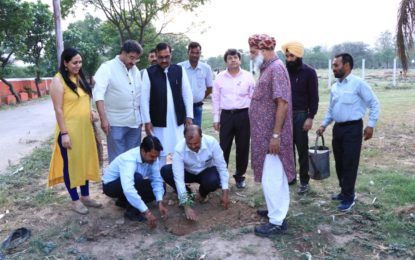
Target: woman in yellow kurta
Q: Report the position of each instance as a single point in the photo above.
(75, 159)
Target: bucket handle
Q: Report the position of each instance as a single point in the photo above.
(315, 145)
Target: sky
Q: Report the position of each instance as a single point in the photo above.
(223, 24)
(229, 23)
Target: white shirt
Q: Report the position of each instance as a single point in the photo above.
(120, 89)
(125, 166)
(199, 78)
(210, 154)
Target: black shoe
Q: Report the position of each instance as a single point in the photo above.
(340, 197)
(269, 229)
(134, 215)
(262, 212)
(337, 197)
(303, 189)
(345, 206)
(292, 182)
(240, 184)
(16, 238)
(121, 203)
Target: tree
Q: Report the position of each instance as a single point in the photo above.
(58, 28)
(178, 43)
(385, 49)
(405, 30)
(128, 15)
(359, 51)
(86, 37)
(317, 57)
(37, 36)
(15, 19)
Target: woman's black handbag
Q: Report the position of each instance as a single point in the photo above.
(319, 160)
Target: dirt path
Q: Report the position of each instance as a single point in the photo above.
(22, 129)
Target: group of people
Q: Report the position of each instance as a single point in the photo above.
(270, 117)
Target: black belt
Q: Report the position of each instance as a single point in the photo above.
(353, 122)
(234, 111)
(198, 104)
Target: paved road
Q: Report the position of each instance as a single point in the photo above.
(23, 128)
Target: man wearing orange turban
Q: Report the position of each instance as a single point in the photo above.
(304, 89)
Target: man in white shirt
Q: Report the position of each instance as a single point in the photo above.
(134, 178)
(197, 159)
(166, 101)
(117, 96)
(200, 78)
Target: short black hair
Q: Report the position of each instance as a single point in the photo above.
(151, 142)
(193, 45)
(153, 51)
(162, 46)
(131, 46)
(188, 128)
(231, 52)
(346, 58)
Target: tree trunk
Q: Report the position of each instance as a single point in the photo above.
(37, 81)
(58, 30)
(11, 89)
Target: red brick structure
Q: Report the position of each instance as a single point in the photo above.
(21, 85)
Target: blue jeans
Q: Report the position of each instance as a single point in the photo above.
(197, 115)
(121, 139)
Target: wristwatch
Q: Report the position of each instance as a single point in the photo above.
(275, 136)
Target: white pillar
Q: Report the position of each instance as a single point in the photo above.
(329, 72)
(363, 68)
(394, 73)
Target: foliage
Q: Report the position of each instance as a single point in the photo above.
(359, 51)
(317, 57)
(385, 50)
(13, 25)
(37, 36)
(131, 18)
(178, 43)
(87, 38)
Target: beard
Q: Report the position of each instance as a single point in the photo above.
(258, 60)
(339, 74)
(293, 66)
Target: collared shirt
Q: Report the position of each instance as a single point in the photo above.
(145, 95)
(210, 154)
(120, 89)
(125, 166)
(304, 90)
(232, 92)
(200, 78)
(349, 100)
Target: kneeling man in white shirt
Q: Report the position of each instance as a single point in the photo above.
(197, 159)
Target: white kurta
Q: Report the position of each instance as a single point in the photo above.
(172, 133)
